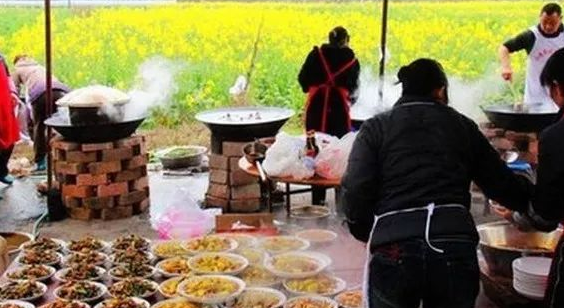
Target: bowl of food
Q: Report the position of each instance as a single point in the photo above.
(182, 156)
(212, 243)
(211, 289)
(16, 304)
(218, 263)
(131, 241)
(259, 276)
(130, 302)
(253, 255)
(258, 298)
(84, 291)
(87, 244)
(169, 249)
(45, 257)
(172, 267)
(133, 287)
(243, 240)
(132, 271)
(309, 212)
(130, 256)
(317, 236)
(322, 284)
(297, 264)
(15, 241)
(80, 272)
(65, 304)
(44, 244)
(178, 302)
(169, 287)
(36, 272)
(26, 290)
(91, 257)
(350, 299)
(311, 301)
(281, 244)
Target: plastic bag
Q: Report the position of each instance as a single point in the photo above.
(182, 218)
(331, 162)
(285, 158)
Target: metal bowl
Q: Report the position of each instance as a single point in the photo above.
(255, 151)
(534, 118)
(183, 161)
(15, 240)
(94, 133)
(501, 243)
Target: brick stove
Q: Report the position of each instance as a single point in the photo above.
(526, 144)
(102, 180)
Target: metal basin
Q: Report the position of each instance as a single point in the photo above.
(533, 119)
(15, 240)
(94, 133)
(501, 243)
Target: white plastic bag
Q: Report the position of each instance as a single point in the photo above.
(331, 162)
(285, 158)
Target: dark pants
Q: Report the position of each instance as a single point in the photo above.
(4, 158)
(39, 132)
(407, 274)
(554, 296)
(318, 194)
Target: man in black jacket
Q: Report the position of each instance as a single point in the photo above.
(406, 193)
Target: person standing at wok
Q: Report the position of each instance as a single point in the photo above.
(329, 76)
(406, 194)
(31, 76)
(9, 129)
(539, 41)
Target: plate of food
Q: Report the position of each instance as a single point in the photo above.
(44, 243)
(282, 244)
(350, 299)
(80, 272)
(169, 287)
(259, 276)
(26, 290)
(90, 257)
(133, 270)
(85, 291)
(253, 255)
(86, 244)
(133, 287)
(171, 267)
(218, 263)
(36, 272)
(297, 264)
(131, 241)
(130, 302)
(16, 304)
(65, 304)
(170, 249)
(178, 302)
(212, 243)
(322, 284)
(46, 257)
(311, 302)
(317, 236)
(243, 240)
(130, 256)
(258, 298)
(211, 289)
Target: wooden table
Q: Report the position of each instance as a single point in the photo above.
(314, 181)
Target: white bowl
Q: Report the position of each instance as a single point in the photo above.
(175, 300)
(216, 299)
(66, 259)
(263, 255)
(281, 297)
(168, 295)
(532, 266)
(151, 258)
(308, 235)
(82, 304)
(232, 244)
(301, 244)
(237, 258)
(62, 244)
(243, 240)
(146, 295)
(102, 290)
(329, 301)
(181, 244)
(19, 303)
(62, 272)
(321, 260)
(261, 284)
(54, 263)
(41, 285)
(112, 243)
(340, 285)
(115, 278)
(139, 301)
(104, 247)
(166, 274)
(51, 269)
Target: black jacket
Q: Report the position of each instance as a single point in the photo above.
(418, 153)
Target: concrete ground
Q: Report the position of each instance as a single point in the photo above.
(21, 206)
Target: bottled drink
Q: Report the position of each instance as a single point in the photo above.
(311, 149)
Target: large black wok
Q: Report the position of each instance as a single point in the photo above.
(94, 133)
(535, 118)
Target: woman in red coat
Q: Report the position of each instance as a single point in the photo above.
(9, 130)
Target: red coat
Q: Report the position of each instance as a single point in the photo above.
(9, 130)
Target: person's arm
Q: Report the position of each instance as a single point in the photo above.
(505, 60)
(308, 68)
(523, 41)
(17, 80)
(360, 183)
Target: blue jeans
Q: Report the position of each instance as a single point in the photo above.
(410, 273)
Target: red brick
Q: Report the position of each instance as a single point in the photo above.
(231, 149)
(240, 178)
(212, 201)
(72, 201)
(219, 190)
(117, 213)
(132, 197)
(129, 142)
(91, 180)
(219, 162)
(502, 144)
(251, 191)
(91, 147)
(65, 145)
(141, 184)
(115, 189)
(59, 155)
(69, 168)
(245, 206)
(534, 147)
(519, 137)
(77, 191)
(142, 206)
(98, 203)
(136, 162)
(104, 167)
(129, 175)
(219, 176)
(234, 163)
(82, 213)
(140, 149)
(81, 157)
(117, 154)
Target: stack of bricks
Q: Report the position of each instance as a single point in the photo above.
(102, 180)
(504, 140)
(231, 188)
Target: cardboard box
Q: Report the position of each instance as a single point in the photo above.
(260, 222)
